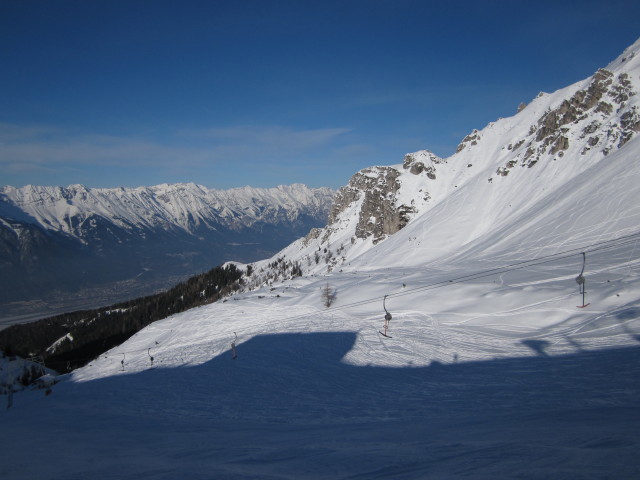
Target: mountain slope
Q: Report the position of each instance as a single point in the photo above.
(491, 372)
(503, 186)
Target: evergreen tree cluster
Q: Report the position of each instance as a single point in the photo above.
(280, 269)
(71, 340)
(20, 374)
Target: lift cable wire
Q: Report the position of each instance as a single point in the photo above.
(604, 245)
(594, 247)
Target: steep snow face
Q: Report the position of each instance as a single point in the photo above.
(547, 171)
(178, 206)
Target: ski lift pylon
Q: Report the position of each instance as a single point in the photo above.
(387, 318)
(582, 282)
(387, 315)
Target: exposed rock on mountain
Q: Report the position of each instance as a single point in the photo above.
(380, 210)
(601, 105)
(422, 161)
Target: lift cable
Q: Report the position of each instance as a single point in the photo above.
(594, 247)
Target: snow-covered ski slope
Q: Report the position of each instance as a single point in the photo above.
(492, 371)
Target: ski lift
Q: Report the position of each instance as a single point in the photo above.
(387, 318)
(582, 283)
(234, 354)
(150, 357)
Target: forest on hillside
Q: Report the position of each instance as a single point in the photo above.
(71, 340)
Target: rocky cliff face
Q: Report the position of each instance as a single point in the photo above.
(381, 210)
(375, 189)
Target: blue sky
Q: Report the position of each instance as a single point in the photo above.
(263, 93)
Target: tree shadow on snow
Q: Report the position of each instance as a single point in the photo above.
(624, 316)
(289, 406)
(538, 346)
(302, 377)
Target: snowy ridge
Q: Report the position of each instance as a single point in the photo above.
(182, 206)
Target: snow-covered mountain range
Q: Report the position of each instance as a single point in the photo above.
(76, 210)
(493, 366)
(55, 238)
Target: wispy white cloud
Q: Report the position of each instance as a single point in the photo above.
(38, 149)
(50, 146)
(10, 133)
(270, 138)
(25, 168)
(31, 146)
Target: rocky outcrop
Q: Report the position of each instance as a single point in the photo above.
(422, 161)
(602, 106)
(469, 140)
(379, 214)
(373, 193)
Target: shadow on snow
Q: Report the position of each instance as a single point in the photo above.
(290, 407)
(302, 378)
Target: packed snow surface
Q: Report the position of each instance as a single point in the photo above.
(493, 368)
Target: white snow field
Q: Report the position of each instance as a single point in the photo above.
(492, 371)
